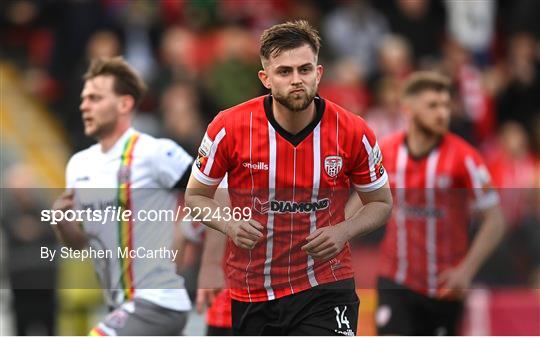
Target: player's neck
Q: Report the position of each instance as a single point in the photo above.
(108, 141)
(420, 142)
(293, 122)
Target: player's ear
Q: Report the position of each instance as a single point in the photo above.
(126, 104)
(264, 78)
(320, 71)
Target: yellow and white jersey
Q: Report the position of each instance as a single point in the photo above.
(136, 175)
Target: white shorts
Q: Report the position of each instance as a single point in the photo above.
(141, 318)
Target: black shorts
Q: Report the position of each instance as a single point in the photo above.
(218, 331)
(403, 312)
(325, 310)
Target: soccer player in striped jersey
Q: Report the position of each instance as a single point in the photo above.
(291, 157)
(426, 263)
(211, 293)
(130, 170)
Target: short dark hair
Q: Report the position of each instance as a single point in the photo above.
(286, 36)
(426, 80)
(126, 79)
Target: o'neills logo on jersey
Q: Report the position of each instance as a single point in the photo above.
(256, 166)
(333, 165)
(281, 207)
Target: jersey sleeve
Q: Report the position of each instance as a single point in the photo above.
(478, 181)
(70, 173)
(212, 159)
(171, 162)
(368, 173)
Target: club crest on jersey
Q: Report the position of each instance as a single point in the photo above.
(124, 174)
(333, 165)
(117, 319)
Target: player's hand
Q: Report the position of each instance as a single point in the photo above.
(245, 234)
(66, 201)
(454, 282)
(325, 243)
(205, 298)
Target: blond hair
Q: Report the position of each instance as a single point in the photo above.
(126, 80)
(426, 80)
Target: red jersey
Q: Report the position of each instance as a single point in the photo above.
(428, 231)
(294, 184)
(219, 313)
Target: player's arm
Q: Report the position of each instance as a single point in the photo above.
(178, 244)
(211, 166)
(372, 211)
(211, 278)
(353, 205)
(244, 233)
(457, 280)
(199, 196)
(365, 214)
(69, 233)
(171, 164)
(491, 232)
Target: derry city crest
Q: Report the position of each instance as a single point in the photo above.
(333, 165)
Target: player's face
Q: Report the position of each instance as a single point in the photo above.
(430, 111)
(293, 77)
(99, 106)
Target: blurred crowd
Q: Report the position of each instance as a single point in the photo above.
(201, 56)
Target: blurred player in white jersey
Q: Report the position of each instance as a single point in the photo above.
(133, 171)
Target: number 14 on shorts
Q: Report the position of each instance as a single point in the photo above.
(343, 324)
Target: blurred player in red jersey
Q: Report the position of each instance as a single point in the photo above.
(291, 157)
(217, 299)
(426, 263)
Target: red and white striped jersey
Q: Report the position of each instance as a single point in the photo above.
(433, 197)
(294, 185)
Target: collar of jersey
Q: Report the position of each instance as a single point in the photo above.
(118, 147)
(420, 157)
(294, 139)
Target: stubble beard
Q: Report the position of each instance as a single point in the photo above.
(102, 130)
(296, 102)
(427, 130)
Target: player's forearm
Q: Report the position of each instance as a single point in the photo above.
(368, 218)
(373, 209)
(489, 236)
(179, 245)
(214, 248)
(201, 202)
(70, 234)
(211, 272)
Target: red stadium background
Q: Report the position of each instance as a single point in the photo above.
(199, 57)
